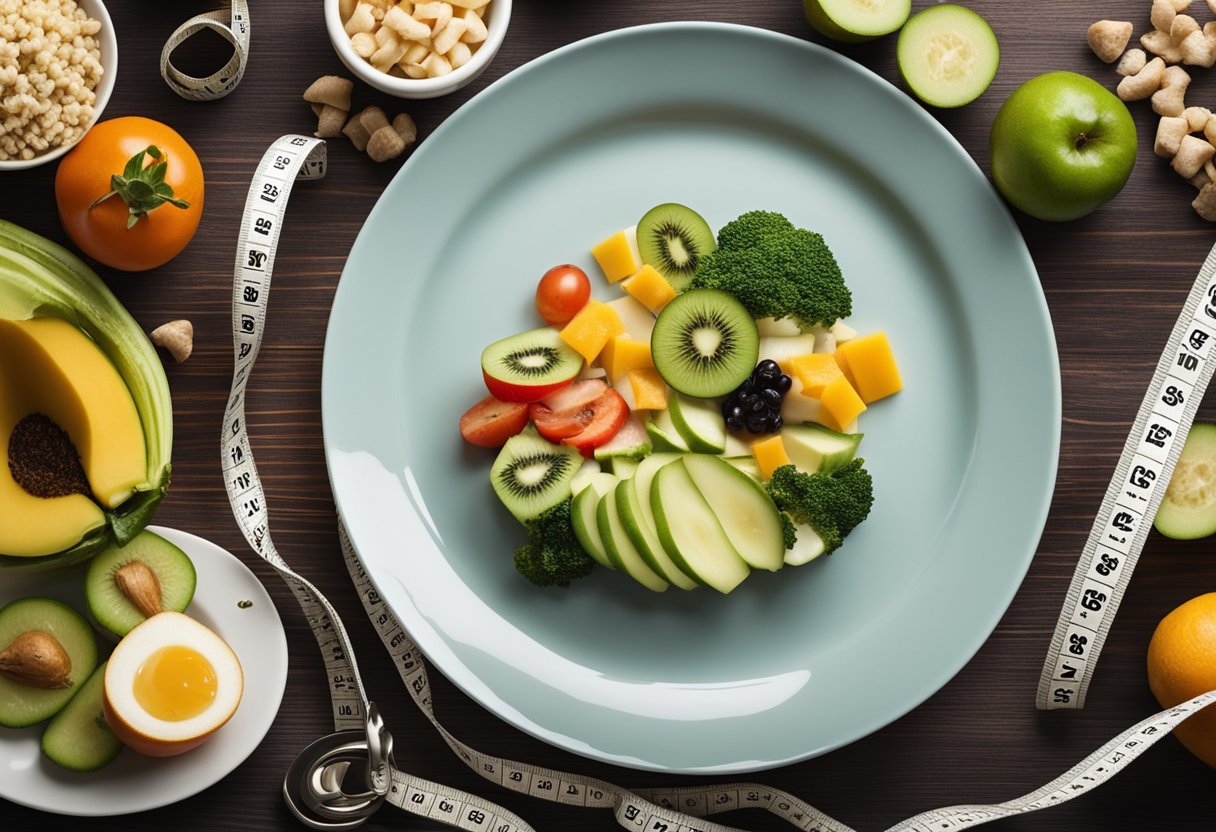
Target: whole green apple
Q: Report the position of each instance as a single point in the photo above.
(1062, 145)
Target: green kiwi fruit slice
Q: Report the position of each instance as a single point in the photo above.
(36, 683)
(673, 238)
(704, 343)
(125, 585)
(531, 475)
(78, 738)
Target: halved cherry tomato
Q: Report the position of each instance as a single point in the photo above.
(567, 412)
(610, 414)
(490, 423)
(561, 293)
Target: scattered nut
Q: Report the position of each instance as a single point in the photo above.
(404, 124)
(386, 144)
(332, 90)
(1133, 61)
(1198, 50)
(177, 337)
(329, 122)
(1108, 38)
(1183, 5)
(357, 134)
(1205, 203)
(1196, 118)
(1170, 100)
(1209, 130)
(1144, 83)
(1192, 154)
(1182, 26)
(1170, 132)
(1162, 45)
(373, 118)
(1162, 14)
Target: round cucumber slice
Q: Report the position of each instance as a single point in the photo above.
(1188, 510)
(110, 605)
(854, 21)
(22, 705)
(78, 738)
(947, 55)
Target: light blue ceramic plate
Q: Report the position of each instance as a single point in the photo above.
(534, 171)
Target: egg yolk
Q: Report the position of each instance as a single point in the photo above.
(175, 683)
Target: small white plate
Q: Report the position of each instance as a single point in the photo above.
(134, 783)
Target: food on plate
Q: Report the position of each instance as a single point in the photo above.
(947, 55)
(854, 21)
(126, 585)
(175, 336)
(131, 212)
(637, 448)
(1182, 665)
(170, 684)
(48, 652)
(673, 239)
(78, 738)
(561, 293)
(50, 66)
(1188, 508)
(415, 40)
(777, 271)
(705, 343)
(1062, 146)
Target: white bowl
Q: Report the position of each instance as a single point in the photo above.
(108, 45)
(498, 15)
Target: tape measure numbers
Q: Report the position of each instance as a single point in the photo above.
(659, 810)
(232, 26)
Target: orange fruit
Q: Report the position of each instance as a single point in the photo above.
(1182, 665)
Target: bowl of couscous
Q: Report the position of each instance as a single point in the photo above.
(58, 61)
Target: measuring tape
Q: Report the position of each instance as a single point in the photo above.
(315, 786)
(1132, 499)
(232, 27)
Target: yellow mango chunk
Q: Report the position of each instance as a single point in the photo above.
(770, 455)
(872, 364)
(841, 404)
(623, 354)
(650, 288)
(591, 329)
(842, 361)
(815, 371)
(615, 257)
(649, 389)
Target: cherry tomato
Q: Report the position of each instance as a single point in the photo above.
(490, 423)
(561, 293)
(585, 415)
(104, 229)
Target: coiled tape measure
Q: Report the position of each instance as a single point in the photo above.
(340, 780)
(232, 26)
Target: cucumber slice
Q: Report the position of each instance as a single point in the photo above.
(817, 448)
(583, 519)
(855, 21)
(110, 606)
(663, 433)
(632, 501)
(22, 705)
(620, 549)
(78, 738)
(691, 533)
(808, 545)
(1188, 510)
(947, 55)
(746, 512)
(699, 423)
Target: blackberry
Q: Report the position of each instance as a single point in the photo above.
(756, 402)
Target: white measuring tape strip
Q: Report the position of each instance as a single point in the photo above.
(648, 810)
(232, 26)
(1132, 498)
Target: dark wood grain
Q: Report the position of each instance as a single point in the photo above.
(1114, 282)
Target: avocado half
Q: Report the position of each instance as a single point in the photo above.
(41, 279)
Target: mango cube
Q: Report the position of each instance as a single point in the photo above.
(842, 361)
(649, 389)
(840, 404)
(591, 329)
(615, 257)
(770, 455)
(872, 364)
(650, 288)
(815, 371)
(623, 354)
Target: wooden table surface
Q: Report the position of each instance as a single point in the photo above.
(1114, 282)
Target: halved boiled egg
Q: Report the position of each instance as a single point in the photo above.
(171, 683)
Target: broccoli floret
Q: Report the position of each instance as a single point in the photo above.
(833, 504)
(776, 271)
(788, 533)
(552, 556)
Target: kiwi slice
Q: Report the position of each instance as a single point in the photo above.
(125, 585)
(704, 343)
(21, 704)
(78, 738)
(527, 366)
(673, 238)
(532, 475)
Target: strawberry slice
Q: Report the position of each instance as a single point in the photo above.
(610, 413)
(490, 422)
(567, 412)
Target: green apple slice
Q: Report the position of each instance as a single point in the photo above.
(645, 538)
(817, 448)
(691, 533)
(620, 549)
(746, 513)
(746, 464)
(947, 55)
(583, 518)
(699, 423)
(582, 477)
(621, 466)
(855, 21)
(808, 545)
(662, 432)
